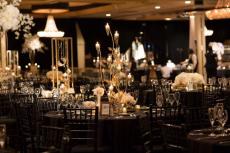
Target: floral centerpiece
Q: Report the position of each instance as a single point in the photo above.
(183, 79)
(122, 97)
(12, 19)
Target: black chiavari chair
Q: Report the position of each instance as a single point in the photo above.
(81, 127)
(49, 139)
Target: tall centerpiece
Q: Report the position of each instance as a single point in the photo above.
(119, 76)
(12, 20)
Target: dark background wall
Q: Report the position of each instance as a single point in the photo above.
(167, 39)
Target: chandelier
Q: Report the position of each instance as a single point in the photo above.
(221, 11)
(50, 29)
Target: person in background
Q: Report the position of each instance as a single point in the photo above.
(138, 51)
(191, 61)
(165, 70)
(211, 63)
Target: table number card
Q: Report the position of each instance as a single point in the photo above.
(105, 109)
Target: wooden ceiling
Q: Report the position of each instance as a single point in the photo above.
(123, 9)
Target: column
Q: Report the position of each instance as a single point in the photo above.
(197, 39)
(80, 48)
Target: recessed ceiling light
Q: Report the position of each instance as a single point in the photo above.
(157, 7)
(108, 15)
(141, 32)
(168, 19)
(187, 2)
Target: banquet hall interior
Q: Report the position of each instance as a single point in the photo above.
(114, 76)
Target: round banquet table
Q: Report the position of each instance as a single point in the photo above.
(120, 133)
(191, 98)
(200, 141)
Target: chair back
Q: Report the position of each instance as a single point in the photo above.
(196, 117)
(174, 137)
(81, 127)
(211, 93)
(5, 106)
(49, 139)
(45, 105)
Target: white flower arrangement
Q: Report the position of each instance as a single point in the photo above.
(89, 104)
(182, 80)
(122, 98)
(12, 19)
(32, 43)
(98, 91)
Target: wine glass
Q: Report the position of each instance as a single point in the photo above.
(159, 100)
(135, 95)
(83, 91)
(220, 81)
(171, 99)
(177, 98)
(222, 119)
(211, 114)
(37, 91)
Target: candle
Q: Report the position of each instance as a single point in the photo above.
(116, 35)
(119, 67)
(137, 107)
(111, 87)
(109, 59)
(129, 76)
(97, 46)
(124, 110)
(107, 28)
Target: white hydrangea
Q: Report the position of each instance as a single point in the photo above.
(9, 18)
(12, 19)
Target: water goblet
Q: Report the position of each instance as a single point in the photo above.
(159, 100)
(37, 91)
(171, 99)
(222, 119)
(83, 91)
(211, 115)
(177, 98)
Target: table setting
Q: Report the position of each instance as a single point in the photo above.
(207, 139)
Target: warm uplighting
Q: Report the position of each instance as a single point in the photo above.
(50, 29)
(187, 2)
(108, 15)
(157, 7)
(221, 11)
(168, 19)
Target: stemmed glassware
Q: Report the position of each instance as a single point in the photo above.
(222, 119)
(177, 98)
(159, 99)
(211, 114)
(83, 91)
(171, 99)
(37, 92)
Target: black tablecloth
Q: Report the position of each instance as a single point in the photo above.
(191, 98)
(199, 141)
(120, 133)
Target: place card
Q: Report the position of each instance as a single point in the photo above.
(105, 109)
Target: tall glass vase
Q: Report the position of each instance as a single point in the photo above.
(3, 49)
(98, 103)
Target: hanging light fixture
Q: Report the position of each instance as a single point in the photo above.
(221, 11)
(50, 29)
(207, 32)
